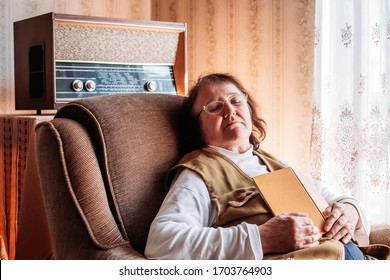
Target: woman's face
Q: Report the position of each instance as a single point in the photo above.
(230, 128)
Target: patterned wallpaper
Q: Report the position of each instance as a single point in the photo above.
(268, 44)
(6, 71)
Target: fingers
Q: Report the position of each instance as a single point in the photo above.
(311, 238)
(298, 231)
(295, 214)
(307, 236)
(340, 229)
(346, 238)
(308, 241)
(333, 215)
(310, 229)
(327, 211)
(338, 225)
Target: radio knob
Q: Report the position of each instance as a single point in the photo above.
(77, 85)
(151, 86)
(90, 85)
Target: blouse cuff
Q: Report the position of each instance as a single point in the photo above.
(255, 241)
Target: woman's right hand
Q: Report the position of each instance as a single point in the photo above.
(288, 232)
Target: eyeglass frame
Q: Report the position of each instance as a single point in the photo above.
(223, 103)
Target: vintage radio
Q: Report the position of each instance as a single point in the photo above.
(60, 58)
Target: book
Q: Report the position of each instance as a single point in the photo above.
(285, 191)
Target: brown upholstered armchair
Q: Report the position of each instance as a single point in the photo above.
(102, 163)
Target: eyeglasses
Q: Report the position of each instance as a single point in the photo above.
(215, 107)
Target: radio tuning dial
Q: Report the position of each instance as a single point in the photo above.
(90, 85)
(151, 86)
(77, 85)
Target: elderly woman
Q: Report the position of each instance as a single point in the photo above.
(209, 213)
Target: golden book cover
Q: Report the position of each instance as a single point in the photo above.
(284, 191)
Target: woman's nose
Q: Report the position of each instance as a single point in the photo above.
(228, 109)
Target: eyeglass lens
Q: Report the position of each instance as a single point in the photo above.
(217, 106)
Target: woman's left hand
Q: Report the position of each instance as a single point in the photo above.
(341, 221)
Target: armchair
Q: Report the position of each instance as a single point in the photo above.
(102, 163)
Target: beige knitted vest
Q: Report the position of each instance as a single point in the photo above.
(235, 194)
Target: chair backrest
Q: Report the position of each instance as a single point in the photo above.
(110, 158)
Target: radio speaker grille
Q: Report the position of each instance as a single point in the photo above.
(114, 44)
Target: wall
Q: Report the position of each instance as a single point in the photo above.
(266, 43)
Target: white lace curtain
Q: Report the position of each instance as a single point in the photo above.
(350, 143)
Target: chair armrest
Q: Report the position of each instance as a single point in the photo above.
(124, 252)
(380, 234)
